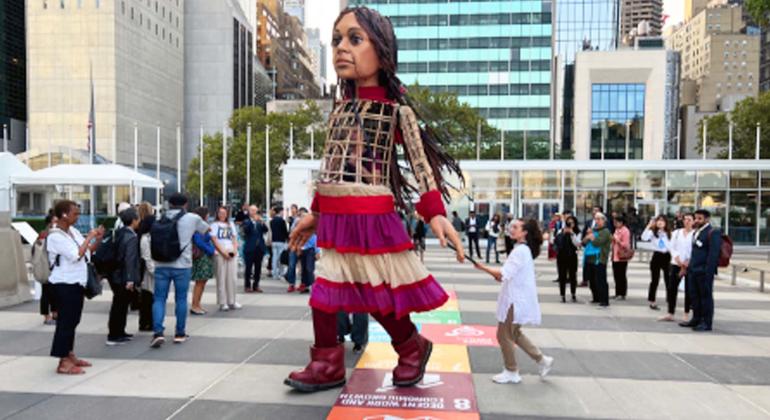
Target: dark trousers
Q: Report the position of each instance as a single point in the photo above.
(121, 299)
(601, 287)
(589, 276)
(509, 246)
(620, 274)
(672, 288)
(567, 268)
(69, 300)
(307, 261)
(253, 261)
(145, 310)
(473, 238)
(358, 329)
(47, 299)
(703, 299)
(658, 264)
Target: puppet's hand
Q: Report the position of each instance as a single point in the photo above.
(302, 232)
(443, 231)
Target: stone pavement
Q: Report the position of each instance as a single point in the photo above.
(615, 363)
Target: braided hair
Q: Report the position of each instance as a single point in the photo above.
(383, 39)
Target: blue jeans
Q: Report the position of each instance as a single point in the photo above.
(358, 329)
(492, 245)
(278, 248)
(291, 273)
(308, 267)
(163, 278)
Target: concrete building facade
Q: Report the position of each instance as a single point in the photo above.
(219, 67)
(626, 103)
(633, 12)
(131, 52)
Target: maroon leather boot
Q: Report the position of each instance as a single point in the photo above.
(326, 370)
(413, 355)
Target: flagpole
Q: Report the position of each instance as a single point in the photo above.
(224, 164)
(91, 189)
(200, 166)
(134, 191)
(178, 158)
(248, 164)
(157, 165)
(267, 168)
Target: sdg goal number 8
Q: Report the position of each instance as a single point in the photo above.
(462, 404)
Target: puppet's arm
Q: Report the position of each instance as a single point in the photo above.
(430, 204)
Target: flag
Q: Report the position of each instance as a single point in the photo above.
(91, 134)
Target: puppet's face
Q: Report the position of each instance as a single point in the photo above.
(354, 55)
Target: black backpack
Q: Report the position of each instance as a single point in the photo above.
(105, 259)
(164, 239)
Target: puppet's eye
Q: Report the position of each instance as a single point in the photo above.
(336, 41)
(356, 39)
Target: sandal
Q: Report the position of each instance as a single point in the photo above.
(79, 362)
(71, 370)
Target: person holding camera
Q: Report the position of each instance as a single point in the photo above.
(226, 236)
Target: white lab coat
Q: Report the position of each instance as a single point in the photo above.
(519, 288)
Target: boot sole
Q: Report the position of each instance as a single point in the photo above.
(303, 387)
(422, 369)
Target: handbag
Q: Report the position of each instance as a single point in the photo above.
(93, 286)
(626, 253)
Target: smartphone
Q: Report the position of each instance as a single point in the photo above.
(232, 254)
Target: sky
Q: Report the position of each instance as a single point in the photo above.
(322, 13)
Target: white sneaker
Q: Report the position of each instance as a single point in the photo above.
(224, 308)
(507, 377)
(235, 306)
(545, 366)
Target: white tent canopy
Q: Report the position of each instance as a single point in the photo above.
(10, 166)
(87, 175)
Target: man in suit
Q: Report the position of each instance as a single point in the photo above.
(472, 228)
(707, 242)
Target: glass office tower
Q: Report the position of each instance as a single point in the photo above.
(579, 25)
(496, 55)
(13, 84)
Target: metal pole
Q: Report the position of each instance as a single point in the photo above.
(200, 167)
(91, 189)
(267, 168)
(248, 164)
(224, 164)
(478, 140)
(730, 140)
(157, 164)
(735, 273)
(705, 136)
(178, 158)
(502, 145)
(291, 140)
(312, 144)
(759, 136)
(679, 139)
(628, 137)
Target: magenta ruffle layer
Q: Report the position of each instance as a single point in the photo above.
(365, 234)
(424, 295)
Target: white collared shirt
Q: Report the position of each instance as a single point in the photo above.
(658, 241)
(72, 267)
(681, 245)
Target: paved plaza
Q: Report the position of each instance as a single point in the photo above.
(614, 363)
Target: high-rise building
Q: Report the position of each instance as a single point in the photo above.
(495, 55)
(318, 58)
(13, 82)
(718, 57)
(219, 67)
(693, 7)
(579, 25)
(127, 55)
(634, 12)
(295, 8)
(295, 78)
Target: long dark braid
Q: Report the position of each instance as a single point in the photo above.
(383, 38)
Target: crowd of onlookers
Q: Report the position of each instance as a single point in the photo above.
(145, 254)
(684, 252)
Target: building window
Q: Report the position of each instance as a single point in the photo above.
(613, 108)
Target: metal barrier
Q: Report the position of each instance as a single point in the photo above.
(745, 268)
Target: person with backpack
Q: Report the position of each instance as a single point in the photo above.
(622, 253)
(124, 278)
(68, 253)
(171, 246)
(42, 271)
(704, 260)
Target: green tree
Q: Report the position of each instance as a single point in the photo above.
(745, 117)
(280, 124)
(759, 11)
(457, 124)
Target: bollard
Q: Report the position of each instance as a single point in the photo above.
(762, 281)
(735, 274)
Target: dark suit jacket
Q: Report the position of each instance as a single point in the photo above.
(705, 252)
(254, 233)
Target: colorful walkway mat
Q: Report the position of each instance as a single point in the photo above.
(446, 391)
